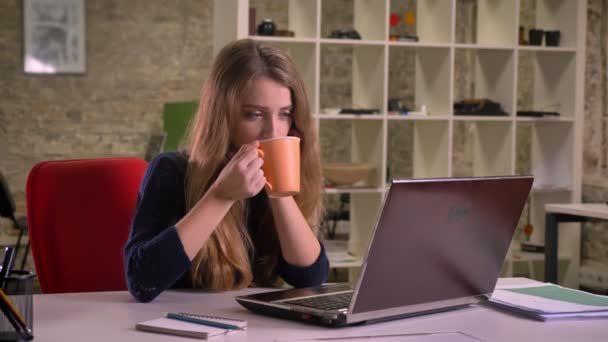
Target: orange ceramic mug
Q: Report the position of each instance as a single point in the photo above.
(281, 165)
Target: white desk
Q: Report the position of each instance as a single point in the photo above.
(111, 316)
(557, 213)
(591, 210)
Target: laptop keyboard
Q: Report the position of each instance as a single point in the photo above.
(329, 302)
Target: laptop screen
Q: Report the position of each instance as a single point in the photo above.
(440, 239)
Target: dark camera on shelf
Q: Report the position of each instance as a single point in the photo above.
(345, 34)
(478, 107)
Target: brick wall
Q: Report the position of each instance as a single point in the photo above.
(140, 54)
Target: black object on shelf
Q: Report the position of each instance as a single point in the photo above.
(535, 37)
(531, 247)
(267, 28)
(552, 38)
(394, 105)
(478, 107)
(535, 113)
(345, 34)
(359, 111)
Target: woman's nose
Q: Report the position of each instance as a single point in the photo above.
(271, 129)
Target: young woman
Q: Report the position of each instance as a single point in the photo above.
(203, 219)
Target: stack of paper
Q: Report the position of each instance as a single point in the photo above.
(545, 301)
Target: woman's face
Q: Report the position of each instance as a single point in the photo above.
(266, 112)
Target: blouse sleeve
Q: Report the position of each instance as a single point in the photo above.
(154, 256)
(313, 275)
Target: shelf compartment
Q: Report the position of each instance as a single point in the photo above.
(367, 17)
(550, 15)
(304, 56)
(299, 16)
(354, 75)
(550, 79)
(364, 211)
(482, 149)
(491, 73)
(358, 141)
(418, 149)
(433, 19)
(552, 153)
(431, 84)
(431, 149)
(400, 150)
(486, 22)
(544, 149)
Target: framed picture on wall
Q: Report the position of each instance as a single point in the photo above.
(54, 36)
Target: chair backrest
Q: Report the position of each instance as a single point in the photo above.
(7, 204)
(176, 118)
(79, 213)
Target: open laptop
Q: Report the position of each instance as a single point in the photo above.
(438, 244)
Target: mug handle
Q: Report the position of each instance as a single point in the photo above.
(268, 185)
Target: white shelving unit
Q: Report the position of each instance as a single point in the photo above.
(558, 83)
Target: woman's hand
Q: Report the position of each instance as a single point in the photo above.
(242, 177)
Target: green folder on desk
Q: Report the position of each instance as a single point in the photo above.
(563, 294)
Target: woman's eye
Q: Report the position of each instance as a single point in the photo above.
(253, 114)
(287, 113)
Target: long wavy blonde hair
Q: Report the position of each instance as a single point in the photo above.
(223, 263)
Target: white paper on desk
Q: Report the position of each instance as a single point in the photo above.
(540, 304)
(453, 336)
(520, 286)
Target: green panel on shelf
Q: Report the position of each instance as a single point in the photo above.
(176, 117)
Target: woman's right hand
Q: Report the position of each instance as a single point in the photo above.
(242, 177)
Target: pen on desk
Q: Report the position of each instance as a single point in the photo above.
(7, 302)
(7, 264)
(202, 321)
(10, 318)
(13, 316)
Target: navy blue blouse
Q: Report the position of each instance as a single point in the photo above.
(155, 259)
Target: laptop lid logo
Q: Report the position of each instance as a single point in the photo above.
(459, 212)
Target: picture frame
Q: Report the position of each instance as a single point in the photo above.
(54, 36)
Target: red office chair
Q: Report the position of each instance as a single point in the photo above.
(79, 213)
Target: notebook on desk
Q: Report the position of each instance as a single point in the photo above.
(191, 325)
(438, 244)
